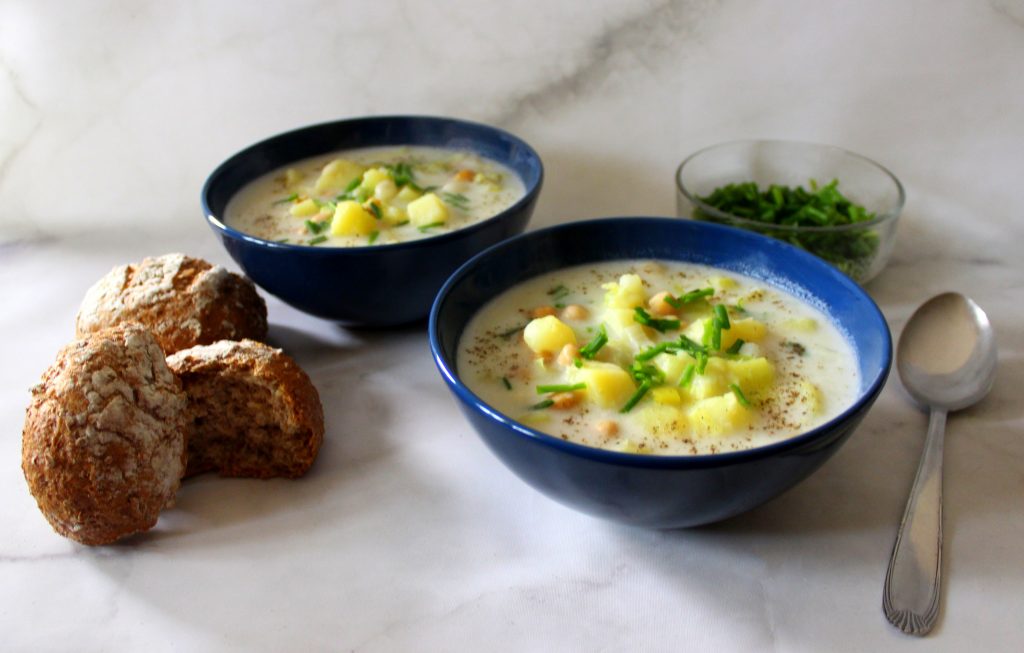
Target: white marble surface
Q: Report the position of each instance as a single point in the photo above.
(408, 534)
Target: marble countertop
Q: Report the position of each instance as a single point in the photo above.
(408, 534)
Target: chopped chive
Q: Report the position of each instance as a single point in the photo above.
(689, 346)
(687, 377)
(316, 227)
(290, 198)
(458, 200)
(692, 296)
(559, 305)
(578, 362)
(795, 347)
(373, 237)
(558, 292)
(317, 240)
(740, 397)
(565, 387)
(591, 348)
(540, 405)
(375, 210)
(660, 348)
(506, 383)
(511, 332)
(702, 362)
(735, 348)
(659, 325)
(424, 228)
(722, 316)
(283, 240)
(637, 396)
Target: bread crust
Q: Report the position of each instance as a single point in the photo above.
(103, 446)
(253, 411)
(184, 301)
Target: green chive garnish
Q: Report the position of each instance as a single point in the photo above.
(458, 200)
(506, 383)
(637, 396)
(316, 227)
(375, 210)
(692, 296)
(687, 377)
(424, 228)
(565, 387)
(558, 292)
(702, 362)
(290, 198)
(540, 405)
(651, 352)
(511, 332)
(740, 397)
(591, 348)
(722, 316)
(318, 240)
(735, 348)
(659, 325)
(373, 237)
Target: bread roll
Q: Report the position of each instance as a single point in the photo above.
(253, 411)
(103, 448)
(184, 301)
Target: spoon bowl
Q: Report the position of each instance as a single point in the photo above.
(946, 359)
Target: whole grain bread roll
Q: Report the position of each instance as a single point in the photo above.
(103, 448)
(184, 301)
(253, 411)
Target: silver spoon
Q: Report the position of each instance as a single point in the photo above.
(947, 361)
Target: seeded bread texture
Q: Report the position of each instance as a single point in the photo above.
(184, 301)
(253, 412)
(103, 447)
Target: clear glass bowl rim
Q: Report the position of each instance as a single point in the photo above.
(792, 229)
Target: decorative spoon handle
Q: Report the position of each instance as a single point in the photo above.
(911, 596)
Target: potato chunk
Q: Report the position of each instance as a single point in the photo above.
(336, 175)
(749, 330)
(304, 209)
(717, 415)
(627, 293)
(608, 385)
(351, 219)
(427, 210)
(548, 334)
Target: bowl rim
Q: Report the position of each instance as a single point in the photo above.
(757, 225)
(218, 225)
(469, 398)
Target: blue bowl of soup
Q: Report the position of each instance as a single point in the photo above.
(370, 282)
(651, 489)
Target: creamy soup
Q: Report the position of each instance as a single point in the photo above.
(658, 357)
(374, 196)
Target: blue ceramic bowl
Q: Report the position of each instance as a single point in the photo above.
(648, 490)
(359, 285)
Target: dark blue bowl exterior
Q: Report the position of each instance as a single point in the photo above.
(657, 491)
(372, 286)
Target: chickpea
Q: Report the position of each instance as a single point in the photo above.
(564, 400)
(575, 312)
(542, 311)
(606, 427)
(385, 190)
(569, 353)
(659, 306)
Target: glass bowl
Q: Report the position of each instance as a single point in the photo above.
(859, 249)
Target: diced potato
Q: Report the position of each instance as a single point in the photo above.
(749, 330)
(626, 336)
(672, 366)
(351, 219)
(713, 382)
(336, 175)
(800, 325)
(627, 293)
(394, 214)
(304, 209)
(292, 177)
(717, 415)
(628, 446)
(755, 376)
(660, 420)
(608, 385)
(667, 395)
(427, 210)
(723, 283)
(548, 334)
(372, 177)
(408, 194)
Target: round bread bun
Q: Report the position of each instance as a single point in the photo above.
(103, 448)
(184, 301)
(253, 411)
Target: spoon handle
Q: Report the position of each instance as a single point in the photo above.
(911, 596)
